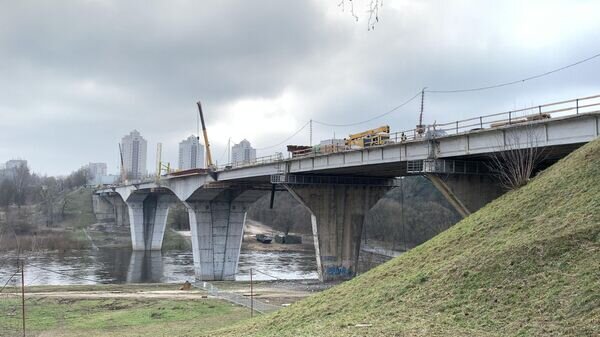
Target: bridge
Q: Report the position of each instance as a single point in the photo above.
(339, 188)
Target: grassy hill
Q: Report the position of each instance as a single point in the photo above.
(528, 264)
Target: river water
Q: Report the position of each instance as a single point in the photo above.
(116, 265)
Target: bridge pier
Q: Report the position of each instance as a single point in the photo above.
(148, 219)
(109, 208)
(337, 215)
(217, 218)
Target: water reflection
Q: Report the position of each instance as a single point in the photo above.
(116, 265)
(145, 267)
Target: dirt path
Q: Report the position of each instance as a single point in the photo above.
(270, 292)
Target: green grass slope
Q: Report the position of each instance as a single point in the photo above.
(527, 264)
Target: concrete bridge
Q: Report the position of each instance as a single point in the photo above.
(339, 188)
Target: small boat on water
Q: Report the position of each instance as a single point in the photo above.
(264, 238)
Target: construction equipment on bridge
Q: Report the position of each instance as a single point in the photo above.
(524, 119)
(160, 165)
(209, 162)
(374, 137)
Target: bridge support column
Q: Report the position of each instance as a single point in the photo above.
(337, 215)
(110, 208)
(148, 218)
(217, 218)
(466, 193)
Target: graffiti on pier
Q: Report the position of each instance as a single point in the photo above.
(338, 271)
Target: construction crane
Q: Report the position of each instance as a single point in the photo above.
(123, 174)
(374, 137)
(209, 162)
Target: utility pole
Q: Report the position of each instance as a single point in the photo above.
(402, 211)
(23, 294)
(310, 133)
(421, 128)
(251, 296)
(229, 151)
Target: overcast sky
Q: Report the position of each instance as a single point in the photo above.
(75, 76)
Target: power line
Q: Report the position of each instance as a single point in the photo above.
(63, 274)
(285, 140)
(10, 278)
(373, 118)
(437, 92)
(514, 82)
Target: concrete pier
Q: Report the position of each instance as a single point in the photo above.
(337, 215)
(217, 218)
(148, 218)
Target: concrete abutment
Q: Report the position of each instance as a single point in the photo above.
(467, 193)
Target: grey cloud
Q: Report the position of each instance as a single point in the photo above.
(76, 76)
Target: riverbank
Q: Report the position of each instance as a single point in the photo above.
(136, 309)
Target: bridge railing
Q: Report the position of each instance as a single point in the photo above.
(278, 156)
(575, 106)
(511, 117)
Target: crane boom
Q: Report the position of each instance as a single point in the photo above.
(209, 162)
(123, 176)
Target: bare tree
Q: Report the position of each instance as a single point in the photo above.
(372, 11)
(21, 178)
(521, 155)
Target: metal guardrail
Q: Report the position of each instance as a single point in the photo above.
(582, 105)
(278, 156)
(237, 299)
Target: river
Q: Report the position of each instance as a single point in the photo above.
(117, 265)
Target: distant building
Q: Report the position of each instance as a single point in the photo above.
(243, 152)
(9, 169)
(191, 154)
(98, 174)
(333, 141)
(96, 170)
(134, 148)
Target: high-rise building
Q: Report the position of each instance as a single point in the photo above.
(191, 153)
(243, 152)
(134, 148)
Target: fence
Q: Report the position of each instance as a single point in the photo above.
(238, 299)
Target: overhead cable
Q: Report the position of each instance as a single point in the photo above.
(285, 140)
(494, 86)
(373, 118)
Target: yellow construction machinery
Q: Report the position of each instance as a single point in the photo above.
(209, 163)
(374, 137)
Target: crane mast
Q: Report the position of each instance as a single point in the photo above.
(209, 162)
